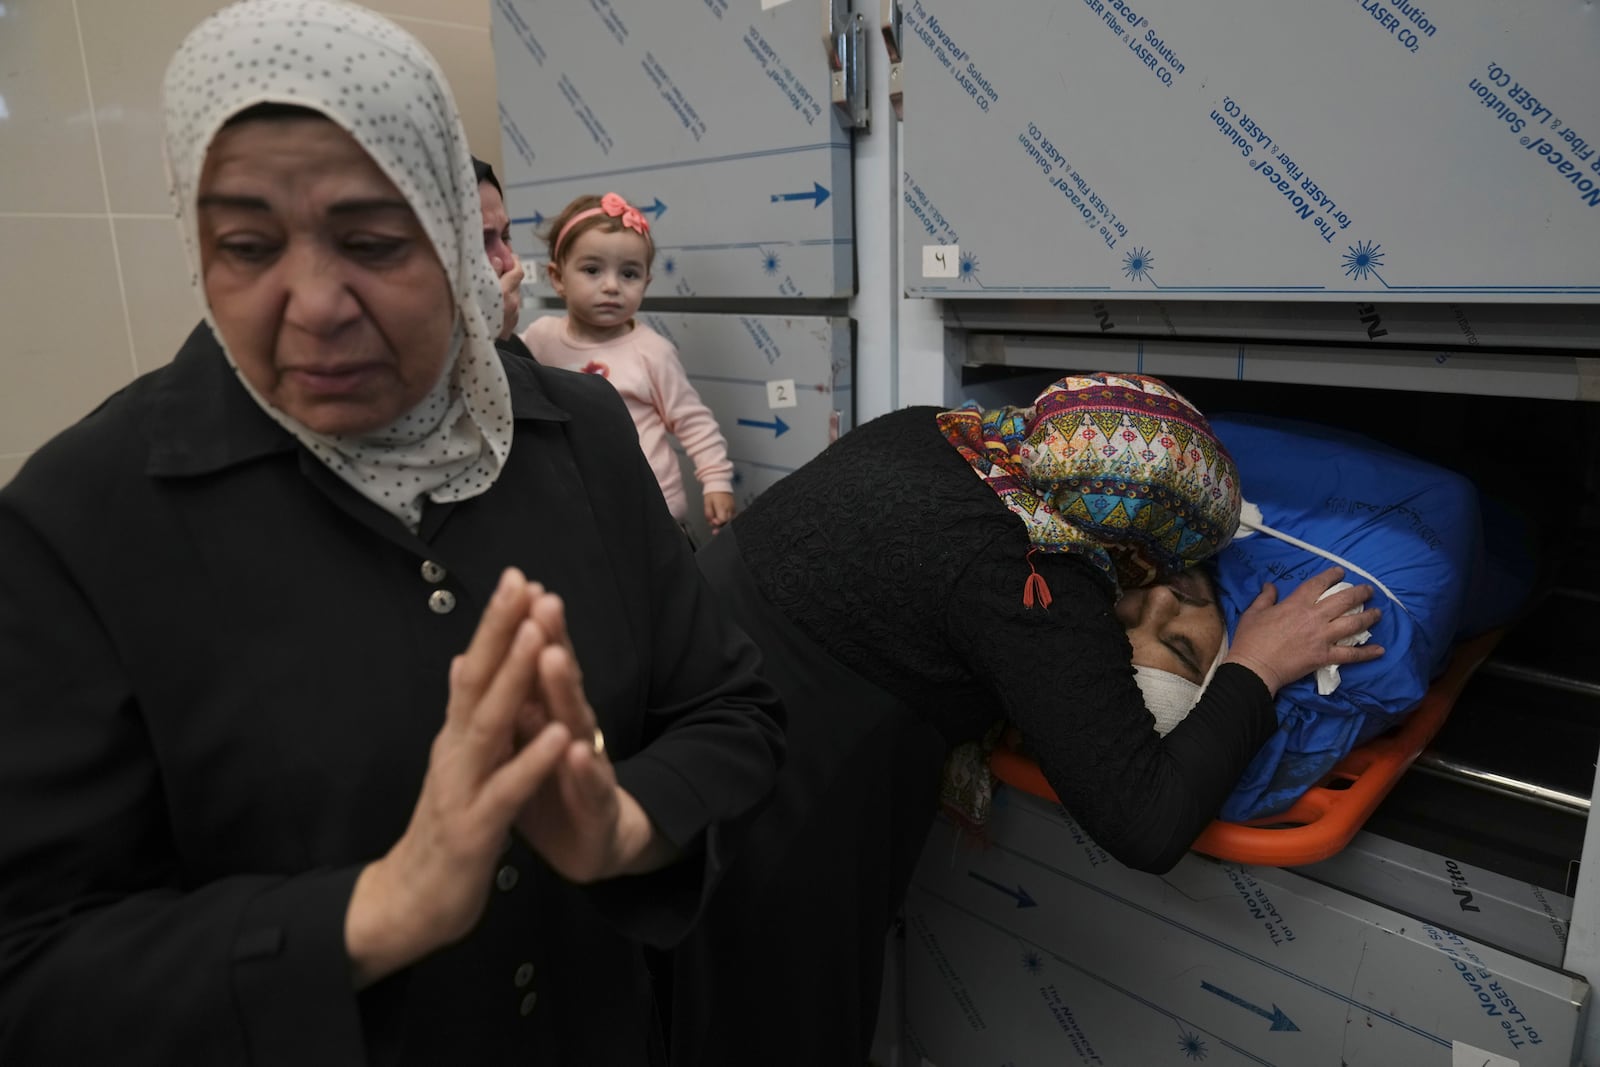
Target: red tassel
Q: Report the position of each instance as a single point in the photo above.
(1035, 586)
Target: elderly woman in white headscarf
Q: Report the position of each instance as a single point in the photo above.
(296, 762)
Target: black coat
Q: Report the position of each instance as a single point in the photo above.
(221, 672)
(883, 582)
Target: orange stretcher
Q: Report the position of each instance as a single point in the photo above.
(1330, 813)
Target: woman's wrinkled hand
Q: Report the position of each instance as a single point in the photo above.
(1285, 640)
(431, 887)
(580, 821)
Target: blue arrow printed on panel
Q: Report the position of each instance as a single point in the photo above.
(817, 193)
(777, 425)
(1019, 894)
(1276, 1017)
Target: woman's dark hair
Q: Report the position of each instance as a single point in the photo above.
(273, 112)
(485, 173)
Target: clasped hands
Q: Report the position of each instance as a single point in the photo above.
(520, 750)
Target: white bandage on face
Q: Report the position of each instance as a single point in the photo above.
(1167, 696)
(1170, 697)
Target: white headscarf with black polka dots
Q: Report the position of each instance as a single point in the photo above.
(383, 88)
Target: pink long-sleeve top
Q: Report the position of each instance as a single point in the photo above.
(643, 366)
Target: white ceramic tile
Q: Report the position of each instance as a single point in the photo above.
(162, 305)
(128, 46)
(468, 63)
(66, 341)
(473, 13)
(10, 465)
(47, 156)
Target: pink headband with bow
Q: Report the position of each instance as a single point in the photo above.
(613, 205)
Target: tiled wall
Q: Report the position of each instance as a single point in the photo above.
(93, 283)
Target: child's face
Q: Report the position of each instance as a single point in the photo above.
(602, 278)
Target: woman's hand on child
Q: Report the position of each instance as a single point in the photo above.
(1285, 640)
(719, 510)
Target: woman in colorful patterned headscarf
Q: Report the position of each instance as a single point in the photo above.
(1117, 469)
(296, 766)
(1122, 472)
(932, 574)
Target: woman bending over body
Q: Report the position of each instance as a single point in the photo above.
(927, 576)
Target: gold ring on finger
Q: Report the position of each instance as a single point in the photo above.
(599, 742)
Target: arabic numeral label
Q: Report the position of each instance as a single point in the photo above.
(941, 261)
(780, 394)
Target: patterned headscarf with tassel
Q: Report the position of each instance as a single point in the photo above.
(1117, 469)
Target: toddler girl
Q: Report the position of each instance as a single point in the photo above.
(600, 255)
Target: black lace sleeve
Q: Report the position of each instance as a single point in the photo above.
(1063, 676)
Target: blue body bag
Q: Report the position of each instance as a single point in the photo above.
(1413, 526)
